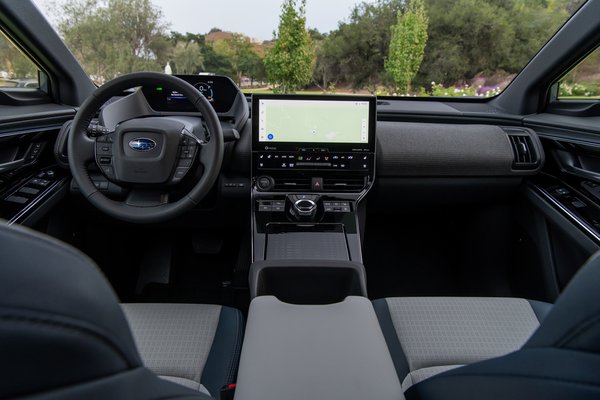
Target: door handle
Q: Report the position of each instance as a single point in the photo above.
(9, 166)
(568, 163)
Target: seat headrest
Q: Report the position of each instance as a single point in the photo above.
(60, 321)
(574, 322)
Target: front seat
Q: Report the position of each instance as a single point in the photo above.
(514, 348)
(64, 335)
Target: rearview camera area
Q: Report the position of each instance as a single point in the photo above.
(302, 120)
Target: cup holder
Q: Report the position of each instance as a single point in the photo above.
(307, 282)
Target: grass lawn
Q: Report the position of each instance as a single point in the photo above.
(269, 91)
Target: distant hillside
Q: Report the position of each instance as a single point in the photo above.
(213, 37)
(217, 36)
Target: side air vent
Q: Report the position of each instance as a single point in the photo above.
(292, 184)
(344, 184)
(526, 154)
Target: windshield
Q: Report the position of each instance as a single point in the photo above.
(383, 47)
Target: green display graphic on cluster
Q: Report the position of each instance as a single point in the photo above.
(322, 123)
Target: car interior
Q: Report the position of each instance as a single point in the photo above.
(157, 243)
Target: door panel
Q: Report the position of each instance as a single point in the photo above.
(567, 197)
(31, 182)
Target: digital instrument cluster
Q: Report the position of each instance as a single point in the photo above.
(220, 91)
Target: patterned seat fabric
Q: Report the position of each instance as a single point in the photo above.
(430, 335)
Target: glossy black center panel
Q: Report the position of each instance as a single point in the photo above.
(313, 160)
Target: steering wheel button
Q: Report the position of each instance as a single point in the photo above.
(184, 163)
(104, 149)
(185, 153)
(105, 160)
(108, 171)
(180, 172)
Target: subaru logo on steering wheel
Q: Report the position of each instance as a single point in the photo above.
(142, 144)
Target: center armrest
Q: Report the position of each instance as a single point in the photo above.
(331, 351)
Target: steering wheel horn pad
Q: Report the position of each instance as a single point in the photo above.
(144, 151)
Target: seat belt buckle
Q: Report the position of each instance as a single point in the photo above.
(227, 391)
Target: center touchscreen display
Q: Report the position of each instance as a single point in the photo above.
(302, 120)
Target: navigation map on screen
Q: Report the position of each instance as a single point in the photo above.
(313, 121)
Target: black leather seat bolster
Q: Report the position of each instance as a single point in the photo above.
(389, 333)
(535, 373)
(136, 384)
(540, 308)
(222, 363)
(574, 322)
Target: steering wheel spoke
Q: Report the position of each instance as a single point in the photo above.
(142, 197)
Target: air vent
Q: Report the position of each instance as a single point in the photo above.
(344, 184)
(291, 184)
(525, 153)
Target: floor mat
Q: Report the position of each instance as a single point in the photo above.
(438, 252)
(193, 275)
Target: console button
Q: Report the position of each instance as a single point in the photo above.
(317, 184)
(264, 208)
(29, 190)
(265, 183)
(17, 199)
(40, 182)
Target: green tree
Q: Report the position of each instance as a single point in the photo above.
(354, 53)
(216, 63)
(114, 37)
(493, 38)
(255, 68)
(238, 50)
(407, 45)
(187, 58)
(289, 63)
(13, 63)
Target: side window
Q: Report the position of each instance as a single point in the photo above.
(16, 69)
(583, 81)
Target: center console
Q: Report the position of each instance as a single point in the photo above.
(313, 161)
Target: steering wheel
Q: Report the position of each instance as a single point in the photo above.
(149, 155)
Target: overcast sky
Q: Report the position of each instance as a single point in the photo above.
(257, 19)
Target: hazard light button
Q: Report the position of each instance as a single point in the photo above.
(317, 184)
